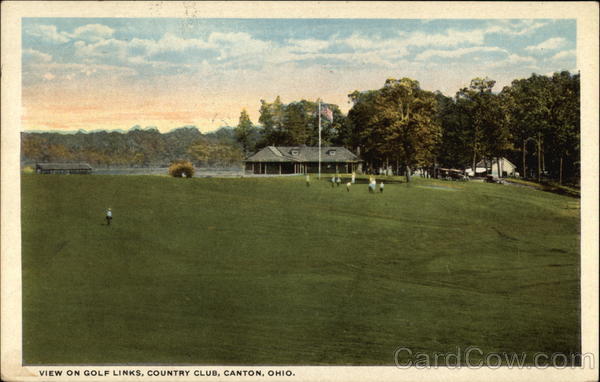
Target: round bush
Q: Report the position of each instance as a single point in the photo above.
(179, 169)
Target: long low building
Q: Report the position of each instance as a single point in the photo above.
(302, 159)
(63, 168)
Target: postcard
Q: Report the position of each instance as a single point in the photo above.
(299, 191)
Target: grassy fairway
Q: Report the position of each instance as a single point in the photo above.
(268, 271)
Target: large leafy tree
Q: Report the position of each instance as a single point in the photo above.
(564, 130)
(356, 132)
(399, 123)
(454, 149)
(530, 114)
(486, 123)
(296, 123)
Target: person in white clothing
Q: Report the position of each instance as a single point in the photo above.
(381, 187)
(108, 216)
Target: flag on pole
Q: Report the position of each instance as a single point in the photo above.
(327, 113)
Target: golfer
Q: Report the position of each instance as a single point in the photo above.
(108, 216)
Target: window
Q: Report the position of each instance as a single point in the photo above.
(331, 152)
(294, 152)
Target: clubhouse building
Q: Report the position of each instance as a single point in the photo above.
(302, 159)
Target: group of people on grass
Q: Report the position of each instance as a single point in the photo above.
(336, 181)
(373, 185)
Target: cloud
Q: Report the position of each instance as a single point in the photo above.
(53, 70)
(93, 32)
(309, 45)
(550, 44)
(111, 48)
(522, 27)
(450, 38)
(564, 55)
(513, 59)
(458, 52)
(32, 56)
(48, 33)
(146, 51)
(375, 51)
(516, 59)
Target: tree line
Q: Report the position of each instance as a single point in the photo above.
(534, 122)
(136, 147)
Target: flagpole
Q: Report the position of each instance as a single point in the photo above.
(319, 138)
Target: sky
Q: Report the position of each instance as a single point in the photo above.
(116, 73)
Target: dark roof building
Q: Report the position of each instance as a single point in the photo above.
(63, 168)
(301, 159)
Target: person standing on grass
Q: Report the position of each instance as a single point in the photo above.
(381, 187)
(307, 180)
(108, 216)
(332, 181)
(372, 184)
(338, 180)
(348, 186)
(353, 177)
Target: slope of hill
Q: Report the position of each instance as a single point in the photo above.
(269, 271)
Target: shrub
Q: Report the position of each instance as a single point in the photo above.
(181, 168)
(28, 170)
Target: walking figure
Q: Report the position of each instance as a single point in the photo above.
(348, 186)
(353, 177)
(338, 181)
(332, 181)
(307, 180)
(372, 185)
(108, 216)
(381, 187)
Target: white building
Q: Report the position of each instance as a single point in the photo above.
(490, 167)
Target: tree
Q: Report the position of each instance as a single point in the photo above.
(399, 123)
(496, 132)
(406, 115)
(529, 115)
(477, 101)
(271, 119)
(296, 119)
(454, 148)
(296, 123)
(243, 131)
(564, 130)
(357, 133)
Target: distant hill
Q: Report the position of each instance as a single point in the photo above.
(136, 147)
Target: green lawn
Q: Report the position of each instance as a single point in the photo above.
(268, 271)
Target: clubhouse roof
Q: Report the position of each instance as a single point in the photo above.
(301, 159)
